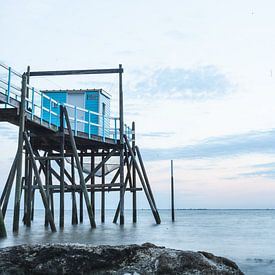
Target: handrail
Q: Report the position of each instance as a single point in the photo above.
(107, 126)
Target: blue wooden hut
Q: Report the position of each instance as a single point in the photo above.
(93, 105)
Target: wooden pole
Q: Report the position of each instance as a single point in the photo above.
(81, 197)
(121, 141)
(80, 172)
(92, 181)
(74, 207)
(152, 205)
(50, 184)
(172, 192)
(134, 174)
(5, 199)
(62, 167)
(3, 232)
(39, 182)
(103, 193)
(20, 155)
(47, 179)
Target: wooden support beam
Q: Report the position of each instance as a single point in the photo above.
(17, 197)
(134, 174)
(6, 193)
(128, 176)
(39, 182)
(172, 192)
(81, 197)
(146, 180)
(103, 193)
(3, 232)
(93, 181)
(77, 72)
(74, 206)
(100, 165)
(29, 195)
(47, 179)
(121, 143)
(145, 176)
(80, 172)
(152, 206)
(62, 167)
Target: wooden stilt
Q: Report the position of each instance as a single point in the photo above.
(26, 179)
(81, 197)
(6, 193)
(134, 174)
(152, 205)
(51, 198)
(80, 172)
(33, 189)
(92, 181)
(20, 156)
(172, 192)
(39, 182)
(103, 193)
(128, 178)
(74, 207)
(121, 143)
(62, 165)
(3, 232)
(47, 179)
(10, 177)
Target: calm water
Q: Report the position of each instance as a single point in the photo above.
(245, 236)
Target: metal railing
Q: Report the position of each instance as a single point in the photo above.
(46, 109)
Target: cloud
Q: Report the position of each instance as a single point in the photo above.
(260, 173)
(178, 83)
(158, 134)
(226, 146)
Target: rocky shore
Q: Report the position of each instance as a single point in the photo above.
(124, 259)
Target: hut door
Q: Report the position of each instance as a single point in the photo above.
(77, 99)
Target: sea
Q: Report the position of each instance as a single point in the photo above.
(244, 236)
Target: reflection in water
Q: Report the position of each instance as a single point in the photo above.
(245, 236)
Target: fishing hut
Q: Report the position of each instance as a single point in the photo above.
(67, 138)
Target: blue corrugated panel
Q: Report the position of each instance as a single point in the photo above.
(61, 97)
(103, 99)
(91, 104)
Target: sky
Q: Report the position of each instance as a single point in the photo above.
(199, 81)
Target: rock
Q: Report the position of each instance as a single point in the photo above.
(124, 259)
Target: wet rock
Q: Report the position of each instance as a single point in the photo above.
(124, 259)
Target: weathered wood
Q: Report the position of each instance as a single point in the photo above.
(100, 165)
(39, 182)
(172, 192)
(17, 197)
(29, 195)
(81, 197)
(145, 176)
(74, 206)
(3, 232)
(134, 174)
(127, 179)
(47, 179)
(5, 199)
(121, 143)
(62, 167)
(152, 206)
(103, 194)
(80, 172)
(77, 72)
(93, 180)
